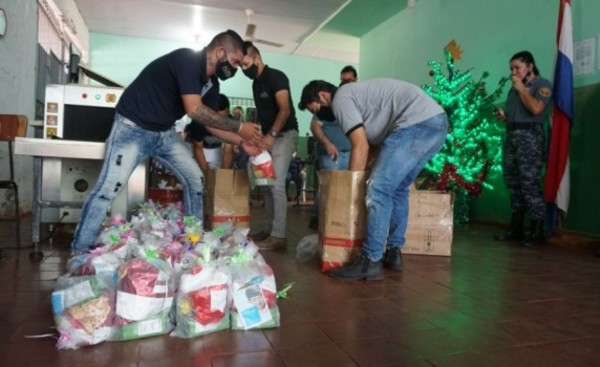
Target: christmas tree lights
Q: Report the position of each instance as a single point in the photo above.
(472, 152)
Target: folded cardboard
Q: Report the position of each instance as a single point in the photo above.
(226, 198)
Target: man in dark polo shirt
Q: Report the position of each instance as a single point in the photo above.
(277, 119)
(208, 149)
(181, 82)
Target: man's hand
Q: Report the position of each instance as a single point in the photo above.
(250, 132)
(267, 142)
(250, 148)
(332, 151)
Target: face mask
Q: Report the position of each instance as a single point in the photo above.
(225, 70)
(251, 72)
(325, 114)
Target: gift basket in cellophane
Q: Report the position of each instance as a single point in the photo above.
(161, 273)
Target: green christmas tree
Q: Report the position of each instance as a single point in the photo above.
(472, 152)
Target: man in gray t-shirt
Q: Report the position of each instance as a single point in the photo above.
(409, 127)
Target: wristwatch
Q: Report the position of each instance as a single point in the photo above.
(273, 133)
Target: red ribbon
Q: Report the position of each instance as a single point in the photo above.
(449, 174)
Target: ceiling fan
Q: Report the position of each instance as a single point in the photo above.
(251, 28)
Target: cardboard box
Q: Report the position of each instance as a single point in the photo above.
(342, 216)
(430, 223)
(226, 194)
(343, 219)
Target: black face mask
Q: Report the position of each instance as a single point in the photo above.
(251, 72)
(325, 114)
(225, 70)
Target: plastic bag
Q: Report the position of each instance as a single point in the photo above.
(261, 171)
(202, 301)
(144, 299)
(83, 310)
(254, 296)
(308, 248)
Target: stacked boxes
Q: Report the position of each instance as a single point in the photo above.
(343, 219)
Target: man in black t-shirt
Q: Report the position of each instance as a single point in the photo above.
(182, 82)
(277, 119)
(207, 148)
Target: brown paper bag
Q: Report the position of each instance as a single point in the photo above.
(342, 216)
(226, 197)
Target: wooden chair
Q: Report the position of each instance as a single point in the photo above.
(12, 126)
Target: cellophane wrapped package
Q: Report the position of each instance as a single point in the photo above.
(201, 302)
(145, 291)
(261, 171)
(254, 294)
(160, 271)
(83, 308)
(114, 245)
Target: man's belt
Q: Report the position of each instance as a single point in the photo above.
(211, 145)
(521, 125)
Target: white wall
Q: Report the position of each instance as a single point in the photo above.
(17, 89)
(18, 63)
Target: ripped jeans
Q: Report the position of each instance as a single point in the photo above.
(126, 147)
(404, 153)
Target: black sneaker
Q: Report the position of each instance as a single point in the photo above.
(392, 259)
(361, 268)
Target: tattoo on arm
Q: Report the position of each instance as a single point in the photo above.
(205, 116)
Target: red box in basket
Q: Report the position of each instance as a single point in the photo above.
(165, 196)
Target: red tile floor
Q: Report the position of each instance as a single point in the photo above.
(490, 304)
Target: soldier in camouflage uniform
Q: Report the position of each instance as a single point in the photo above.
(527, 102)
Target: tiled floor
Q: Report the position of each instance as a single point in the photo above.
(490, 304)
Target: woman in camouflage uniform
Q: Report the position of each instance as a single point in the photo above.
(526, 107)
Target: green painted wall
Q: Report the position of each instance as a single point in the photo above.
(122, 58)
(585, 165)
(490, 32)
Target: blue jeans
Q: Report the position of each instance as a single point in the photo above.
(404, 153)
(126, 147)
(327, 163)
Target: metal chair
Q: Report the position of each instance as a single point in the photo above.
(12, 126)
(310, 169)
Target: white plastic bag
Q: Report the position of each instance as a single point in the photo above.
(308, 248)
